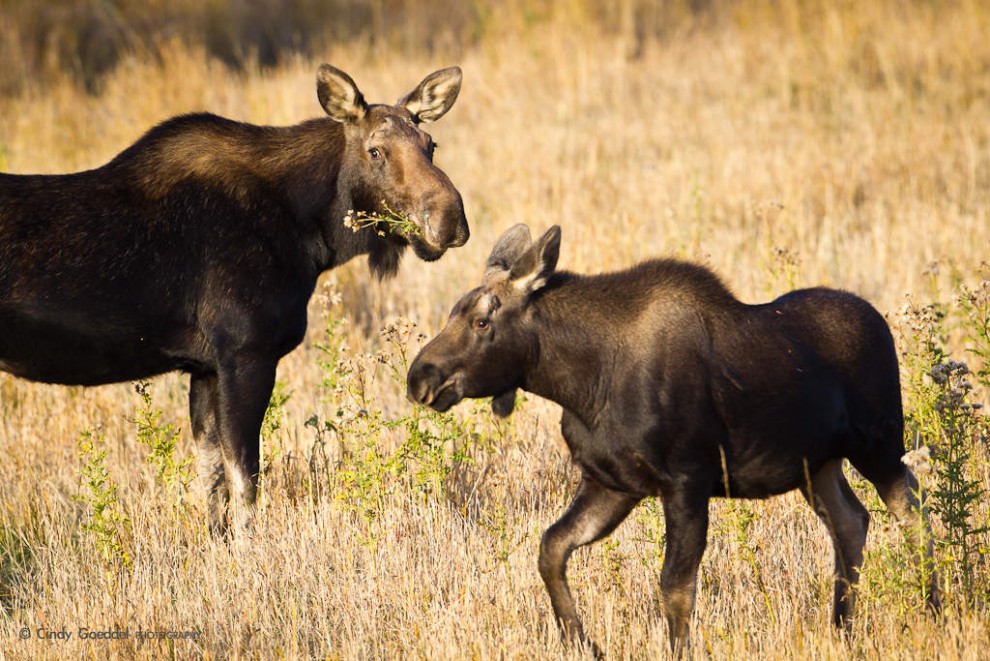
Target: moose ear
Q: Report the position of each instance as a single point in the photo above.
(338, 95)
(434, 96)
(503, 404)
(530, 271)
(513, 243)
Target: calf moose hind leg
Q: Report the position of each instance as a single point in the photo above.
(901, 496)
(203, 413)
(593, 514)
(847, 521)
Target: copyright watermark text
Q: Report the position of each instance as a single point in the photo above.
(108, 633)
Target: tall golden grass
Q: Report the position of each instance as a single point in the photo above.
(782, 143)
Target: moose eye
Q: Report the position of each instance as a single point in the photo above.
(375, 153)
(482, 324)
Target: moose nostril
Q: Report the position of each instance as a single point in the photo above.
(442, 220)
(418, 392)
(420, 382)
(450, 228)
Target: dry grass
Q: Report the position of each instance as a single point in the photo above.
(785, 144)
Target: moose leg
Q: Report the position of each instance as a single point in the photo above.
(904, 499)
(847, 521)
(203, 412)
(593, 514)
(686, 516)
(244, 389)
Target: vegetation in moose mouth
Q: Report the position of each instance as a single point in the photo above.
(783, 143)
(395, 224)
(382, 223)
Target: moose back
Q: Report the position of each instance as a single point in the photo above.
(198, 247)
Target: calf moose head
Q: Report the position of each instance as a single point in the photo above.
(389, 158)
(486, 345)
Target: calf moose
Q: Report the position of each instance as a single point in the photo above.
(198, 248)
(672, 387)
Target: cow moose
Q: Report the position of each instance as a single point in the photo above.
(198, 248)
(672, 387)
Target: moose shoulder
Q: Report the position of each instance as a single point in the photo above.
(198, 248)
(671, 387)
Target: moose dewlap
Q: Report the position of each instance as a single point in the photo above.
(672, 387)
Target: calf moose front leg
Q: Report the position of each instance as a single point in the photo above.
(686, 515)
(593, 514)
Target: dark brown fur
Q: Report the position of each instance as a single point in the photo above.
(672, 387)
(198, 247)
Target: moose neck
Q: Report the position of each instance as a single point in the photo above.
(577, 344)
(312, 169)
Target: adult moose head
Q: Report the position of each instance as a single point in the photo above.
(671, 387)
(198, 248)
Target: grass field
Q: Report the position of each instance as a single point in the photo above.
(783, 144)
